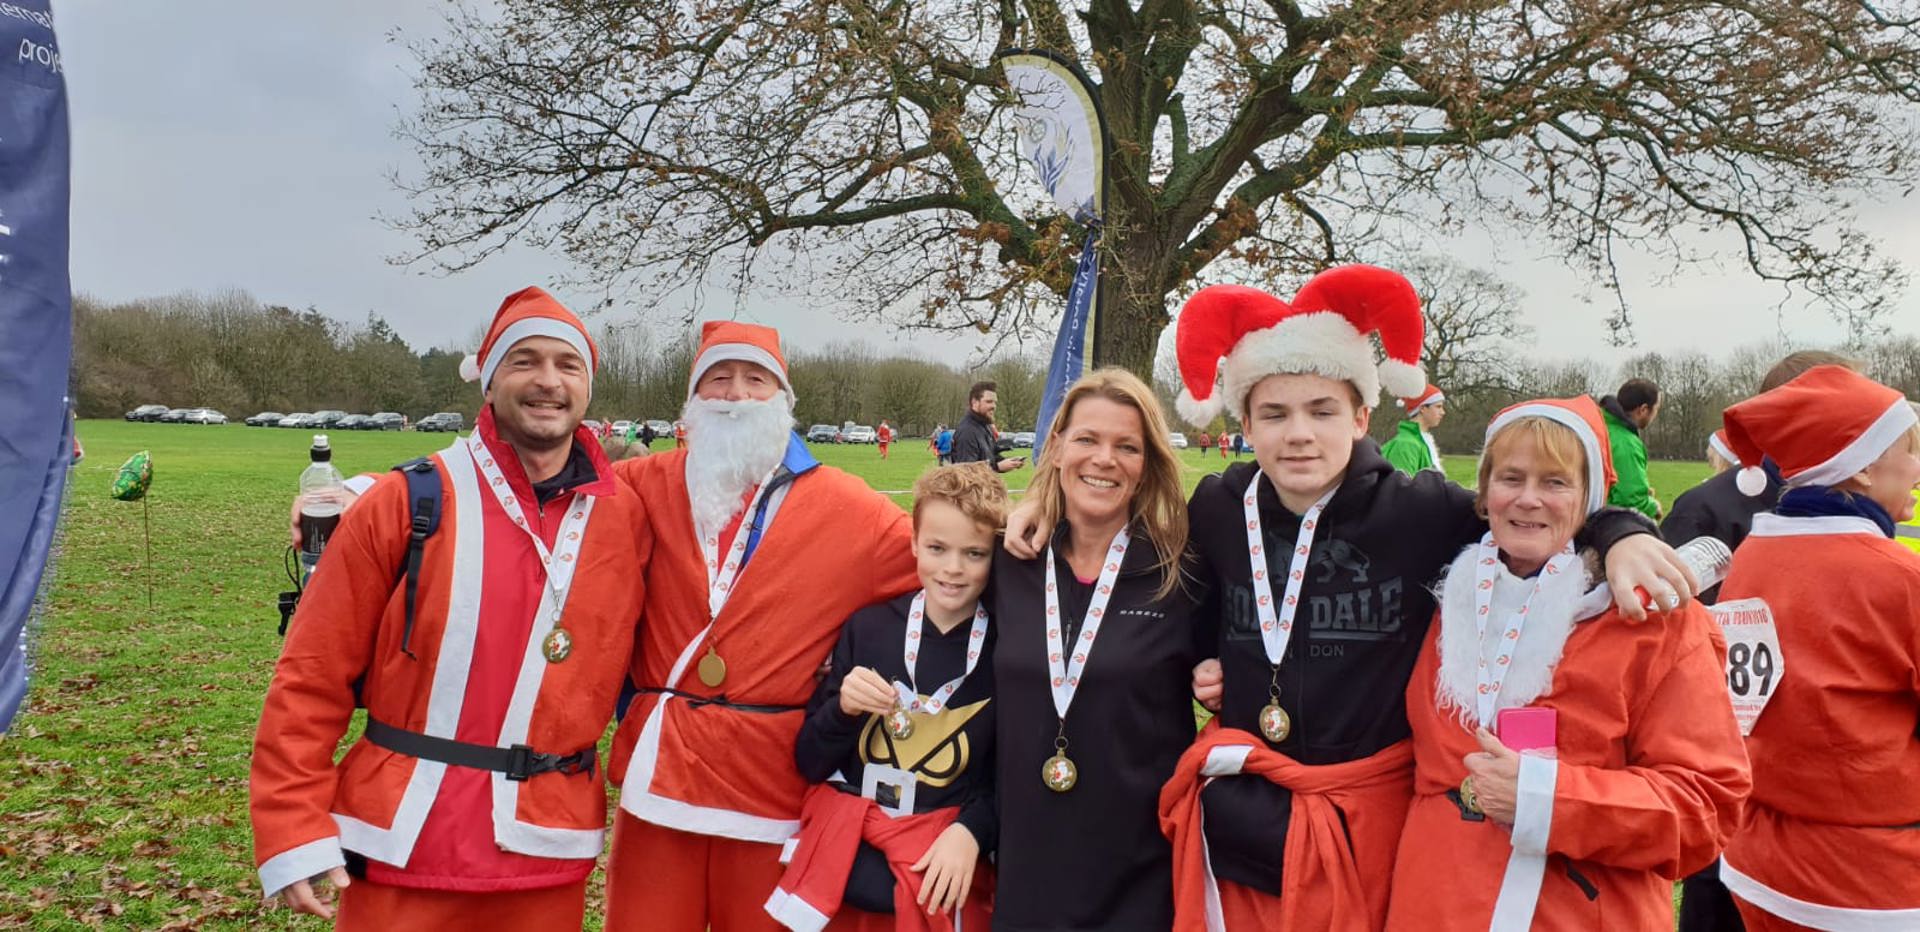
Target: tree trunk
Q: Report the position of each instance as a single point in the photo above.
(1133, 307)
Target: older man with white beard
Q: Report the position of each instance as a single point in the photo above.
(760, 555)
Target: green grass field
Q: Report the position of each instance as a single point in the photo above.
(123, 783)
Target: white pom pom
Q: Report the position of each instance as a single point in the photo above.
(1404, 379)
(470, 368)
(1198, 413)
(1751, 481)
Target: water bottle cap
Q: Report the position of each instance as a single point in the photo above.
(320, 442)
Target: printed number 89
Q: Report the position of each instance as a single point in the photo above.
(1739, 656)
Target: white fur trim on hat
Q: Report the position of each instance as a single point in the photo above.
(1198, 413)
(534, 327)
(1596, 467)
(738, 352)
(1322, 343)
(469, 368)
(1858, 455)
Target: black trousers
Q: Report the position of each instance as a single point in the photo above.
(1705, 904)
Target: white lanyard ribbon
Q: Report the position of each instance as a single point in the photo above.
(916, 623)
(1492, 676)
(1276, 628)
(559, 562)
(1063, 671)
(722, 576)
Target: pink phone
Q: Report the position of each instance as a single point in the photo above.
(1527, 729)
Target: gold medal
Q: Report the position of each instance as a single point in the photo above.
(1469, 800)
(558, 646)
(900, 723)
(1275, 723)
(1059, 773)
(713, 670)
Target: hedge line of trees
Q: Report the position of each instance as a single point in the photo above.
(233, 353)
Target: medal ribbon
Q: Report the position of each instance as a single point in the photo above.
(916, 623)
(721, 577)
(1492, 677)
(1064, 672)
(1276, 629)
(560, 562)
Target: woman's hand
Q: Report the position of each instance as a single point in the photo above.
(300, 898)
(1643, 562)
(949, 870)
(865, 692)
(1495, 770)
(1209, 684)
(1025, 535)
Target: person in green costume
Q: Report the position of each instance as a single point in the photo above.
(1412, 447)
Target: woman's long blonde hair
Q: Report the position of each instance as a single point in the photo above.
(1159, 506)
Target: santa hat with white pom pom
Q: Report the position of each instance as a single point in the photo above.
(529, 312)
(1322, 332)
(1822, 428)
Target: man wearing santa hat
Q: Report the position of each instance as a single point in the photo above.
(475, 798)
(1412, 447)
(1823, 648)
(759, 555)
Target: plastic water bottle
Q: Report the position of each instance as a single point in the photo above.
(323, 494)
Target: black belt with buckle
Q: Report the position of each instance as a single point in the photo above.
(695, 701)
(518, 762)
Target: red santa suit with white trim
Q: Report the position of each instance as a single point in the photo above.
(1831, 837)
(523, 628)
(760, 554)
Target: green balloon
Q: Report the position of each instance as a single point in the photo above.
(135, 475)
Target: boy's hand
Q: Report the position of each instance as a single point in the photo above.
(866, 692)
(1209, 684)
(949, 870)
(1025, 535)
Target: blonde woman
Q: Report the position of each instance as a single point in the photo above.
(1096, 640)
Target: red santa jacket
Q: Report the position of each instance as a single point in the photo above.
(1832, 835)
(828, 546)
(306, 808)
(1648, 782)
(1346, 822)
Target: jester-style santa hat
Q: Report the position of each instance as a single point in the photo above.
(1323, 332)
(529, 312)
(1582, 416)
(1827, 424)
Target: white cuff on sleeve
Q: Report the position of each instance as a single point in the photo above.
(308, 860)
(1533, 803)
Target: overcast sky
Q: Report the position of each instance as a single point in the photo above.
(223, 144)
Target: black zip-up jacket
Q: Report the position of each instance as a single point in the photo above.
(1093, 857)
(973, 441)
(951, 753)
(1365, 606)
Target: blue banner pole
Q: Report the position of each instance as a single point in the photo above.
(1070, 346)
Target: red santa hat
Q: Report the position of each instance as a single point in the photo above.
(529, 312)
(1323, 332)
(1826, 425)
(1582, 416)
(1717, 443)
(1432, 396)
(729, 341)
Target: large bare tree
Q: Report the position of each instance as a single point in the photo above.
(855, 151)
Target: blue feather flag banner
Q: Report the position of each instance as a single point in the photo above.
(1070, 347)
(36, 314)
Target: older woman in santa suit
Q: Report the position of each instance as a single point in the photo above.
(1570, 764)
(1831, 838)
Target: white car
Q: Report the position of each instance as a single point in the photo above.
(1178, 440)
(621, 427)
(204, 416)
(860, 433)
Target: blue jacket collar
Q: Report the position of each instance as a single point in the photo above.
(799, 460)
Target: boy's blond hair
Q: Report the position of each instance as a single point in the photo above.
(972, 488)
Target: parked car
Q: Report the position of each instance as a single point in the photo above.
(861, 433)
(203, 416)
(1179, 440)
(147, 413)
(297, 419)
(350, 422)
(265, 419)
(174, 415)
(328, 418)
(1023, 438)
(620, 427)
(661, 428)
(442, 421)
(822, 433)
(386, 420)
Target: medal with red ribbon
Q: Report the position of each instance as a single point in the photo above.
(1492, 676)
(559, 563)
(1063, 669)
(900, 721)
(1276, 625)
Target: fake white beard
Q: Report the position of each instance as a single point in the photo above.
(731, 446)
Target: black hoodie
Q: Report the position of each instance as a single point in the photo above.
(1365, 606)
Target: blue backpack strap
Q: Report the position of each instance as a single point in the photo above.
(423, 519)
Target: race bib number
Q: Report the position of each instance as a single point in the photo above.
(1754, 664)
